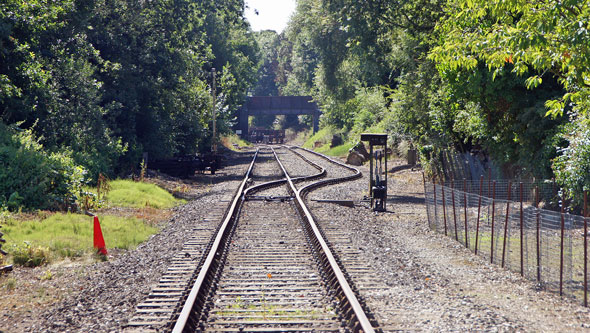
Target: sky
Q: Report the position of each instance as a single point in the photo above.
(272, 14)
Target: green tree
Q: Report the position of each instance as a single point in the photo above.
(539, 40)
(268, 42)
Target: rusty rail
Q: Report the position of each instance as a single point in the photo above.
(195, 298)
(351, 310)
(354, 313)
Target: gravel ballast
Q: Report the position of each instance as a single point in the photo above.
(432, 282)
(101, 297)
(426, 281)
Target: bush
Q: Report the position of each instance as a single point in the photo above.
(32, 178)
(572, 167)
(371, 109)
(29, 256)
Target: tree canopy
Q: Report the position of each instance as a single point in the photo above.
(104, 81)
(95, 83)
(506, 78)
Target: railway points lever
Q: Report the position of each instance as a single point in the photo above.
(377, 169)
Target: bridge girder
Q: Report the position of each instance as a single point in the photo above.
(277, 105)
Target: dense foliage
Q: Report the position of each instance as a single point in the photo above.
(505, 79)
(31, 177)
(101, 81)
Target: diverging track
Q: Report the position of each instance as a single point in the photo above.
(268, 267)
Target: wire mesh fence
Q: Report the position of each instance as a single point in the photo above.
(548, 190)
(545, 246)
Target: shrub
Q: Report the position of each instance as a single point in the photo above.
(572, 166)
(32, 178)
(29, 256)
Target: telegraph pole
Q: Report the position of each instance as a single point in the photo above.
(214, 139)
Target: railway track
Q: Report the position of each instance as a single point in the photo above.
(268, 266)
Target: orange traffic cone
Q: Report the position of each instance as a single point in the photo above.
(98, 239)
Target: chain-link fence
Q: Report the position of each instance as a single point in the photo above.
(507, 229)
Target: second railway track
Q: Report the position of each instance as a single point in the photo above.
(268, 267)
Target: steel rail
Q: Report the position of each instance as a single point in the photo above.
(309, 187)
(358, 319)
(278, 182)
(322, 173)
(214, 254)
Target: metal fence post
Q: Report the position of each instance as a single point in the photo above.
(521, 233)
(561, 247)
(489, 181)
(442, 190)
(435, 205)
(478, 213)
(506, 224)
(425, 200)
(537, 213)
(493, 213)
(465, 206)
(585, 248)
(454, 212)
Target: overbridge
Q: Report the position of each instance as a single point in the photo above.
(277, 105)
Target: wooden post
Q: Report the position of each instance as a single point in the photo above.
(506, 224)
(478, 213)
(213, 91)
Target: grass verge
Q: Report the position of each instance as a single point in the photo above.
(37, 239)
(35, 242)
(127, 193)
(323, 136)
(322, 140)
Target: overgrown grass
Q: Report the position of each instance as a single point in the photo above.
(37, 241)
(127, 193)
(233, 139)
(324, 136)
(341, 150)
